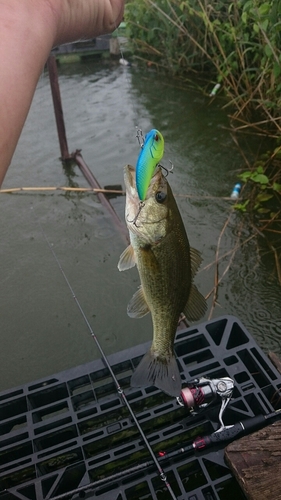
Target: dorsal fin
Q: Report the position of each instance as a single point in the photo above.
(195, 261)
(196, 305)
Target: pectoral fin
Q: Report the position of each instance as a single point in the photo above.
(137, 307)
(127, 259)
(196, 305)
(195, 261)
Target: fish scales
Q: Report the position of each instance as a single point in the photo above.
(164, 271)
(166, 265)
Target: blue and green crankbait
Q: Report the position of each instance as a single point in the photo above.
(150, 155)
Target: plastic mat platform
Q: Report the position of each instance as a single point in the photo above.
(65, 431)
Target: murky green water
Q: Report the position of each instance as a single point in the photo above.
(42, 331)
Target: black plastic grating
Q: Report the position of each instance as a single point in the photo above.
(71, 429)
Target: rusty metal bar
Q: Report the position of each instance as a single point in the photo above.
(76, 156)
(89, 176)
(54, 82)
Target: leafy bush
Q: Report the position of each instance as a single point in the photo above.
(238, 42)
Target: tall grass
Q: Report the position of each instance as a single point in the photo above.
(237, 42)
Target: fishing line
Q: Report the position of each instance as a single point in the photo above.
(118, 387)
(139, 133)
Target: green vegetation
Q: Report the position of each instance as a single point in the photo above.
(236, 43)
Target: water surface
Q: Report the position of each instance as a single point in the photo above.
(42, 331)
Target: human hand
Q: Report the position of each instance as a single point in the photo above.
(85, 18)
(29, 30)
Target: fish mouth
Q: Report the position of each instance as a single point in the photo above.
(130, 183)
(136, 211)
(130, 180)
(142, 228)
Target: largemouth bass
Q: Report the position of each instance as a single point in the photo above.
(150, 154)
(166, 265)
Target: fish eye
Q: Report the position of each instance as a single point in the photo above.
(156, 137)
(160, 196)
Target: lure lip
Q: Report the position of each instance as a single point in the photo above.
(151, 153)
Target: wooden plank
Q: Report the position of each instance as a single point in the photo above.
(255, 461)
(275, 360)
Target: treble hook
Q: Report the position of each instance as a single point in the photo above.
(139, 137)
(167, 170)
(141, 205)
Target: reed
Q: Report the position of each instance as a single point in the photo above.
(237, 43)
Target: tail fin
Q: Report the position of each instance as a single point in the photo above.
(160, 372)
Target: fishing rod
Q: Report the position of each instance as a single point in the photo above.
(228, 433)
(119, 389)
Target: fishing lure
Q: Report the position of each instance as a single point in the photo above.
(151, 153)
